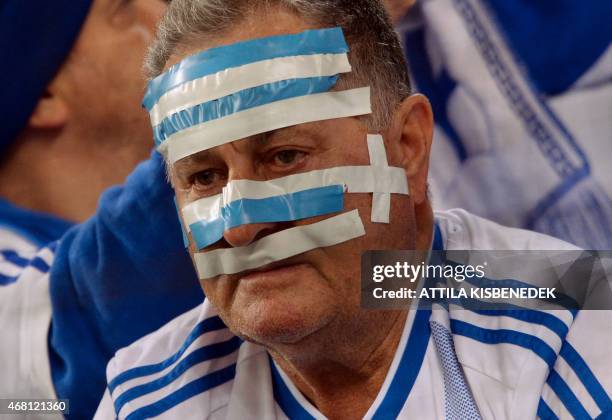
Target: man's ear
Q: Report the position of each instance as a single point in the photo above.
(51, 112)
(414, 124)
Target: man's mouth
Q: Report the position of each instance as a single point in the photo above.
(274, 270)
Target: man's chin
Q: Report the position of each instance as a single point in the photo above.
(280, 321)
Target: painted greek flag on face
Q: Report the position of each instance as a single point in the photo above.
(232, 92)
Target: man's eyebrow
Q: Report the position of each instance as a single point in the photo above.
(261, 140)
(193, 160)
(288, 132)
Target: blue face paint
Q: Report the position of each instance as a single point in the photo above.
(281, 208)
(318, 41)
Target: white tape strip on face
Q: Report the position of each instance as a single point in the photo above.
(273, 116)
(279, 246)
(235, 79)
(379, 178)
(356, 179)
(207, 208)
(381, 201)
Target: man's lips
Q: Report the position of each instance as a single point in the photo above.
(274, 270)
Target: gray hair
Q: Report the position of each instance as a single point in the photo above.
(375, 50)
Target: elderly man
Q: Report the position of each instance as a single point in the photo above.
(72, 126)
(290, 157)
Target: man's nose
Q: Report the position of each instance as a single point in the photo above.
(244, 235)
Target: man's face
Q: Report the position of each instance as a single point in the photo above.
(104, 82)
(292, 298)
(289, 300)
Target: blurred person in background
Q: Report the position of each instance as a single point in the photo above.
(71, 100)
(73, 126)
(522, 95)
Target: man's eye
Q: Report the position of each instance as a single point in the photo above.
(288, 157)
(206, 179)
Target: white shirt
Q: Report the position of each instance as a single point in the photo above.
(450, 363)
(25, 316)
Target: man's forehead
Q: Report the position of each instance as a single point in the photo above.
(288, 135)
(234, 91)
